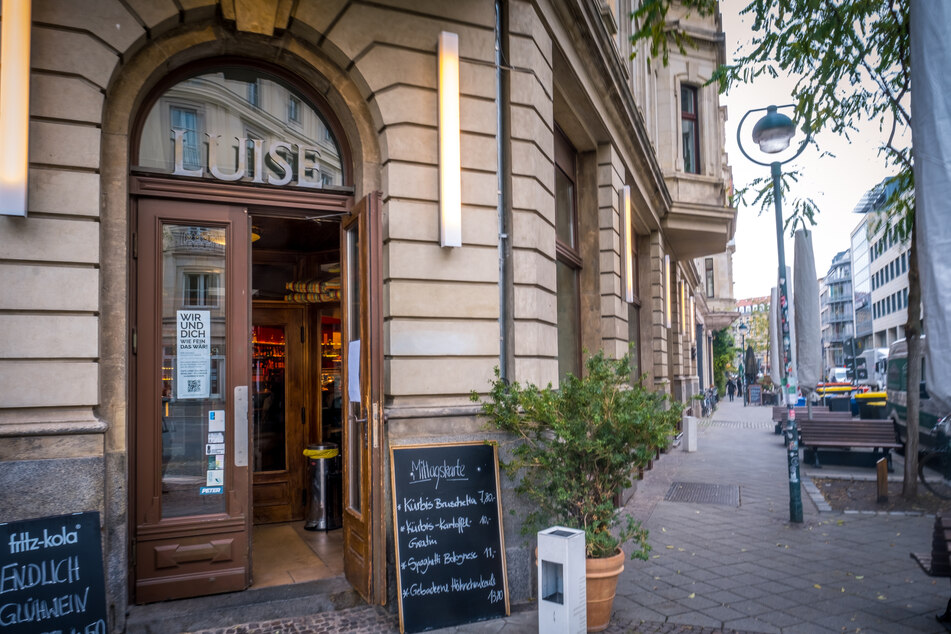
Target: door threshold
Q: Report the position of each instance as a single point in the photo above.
(255, 604)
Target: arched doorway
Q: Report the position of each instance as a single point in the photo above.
(252, 285)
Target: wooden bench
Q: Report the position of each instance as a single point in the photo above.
(937, 563)
(862, 433)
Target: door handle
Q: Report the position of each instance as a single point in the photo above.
(241, 426)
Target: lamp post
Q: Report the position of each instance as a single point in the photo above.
(772, 133)
(743, 329)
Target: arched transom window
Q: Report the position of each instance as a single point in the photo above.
(240, 124)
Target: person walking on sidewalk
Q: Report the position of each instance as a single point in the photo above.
(730, 389)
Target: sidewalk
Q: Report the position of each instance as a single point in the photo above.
(747, 568)
(733, 562)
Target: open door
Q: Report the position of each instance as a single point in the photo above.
(362, 316)
(279, 418)
(191, 331)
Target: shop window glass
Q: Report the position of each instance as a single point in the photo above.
(569, 331)
(565, 220)
(634, 341)
(568, 264)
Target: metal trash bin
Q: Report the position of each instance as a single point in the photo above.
(838, 403)
(325, 487)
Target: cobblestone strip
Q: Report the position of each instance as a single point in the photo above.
(815, 495)
(735, 424)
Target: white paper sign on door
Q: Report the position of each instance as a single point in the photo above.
(193, 344)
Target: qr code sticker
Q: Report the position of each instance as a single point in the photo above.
(194, 386)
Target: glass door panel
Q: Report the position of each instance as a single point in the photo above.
(193, 367)
(269, 397)
(356, 412)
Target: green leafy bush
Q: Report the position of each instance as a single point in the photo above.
(577, 447)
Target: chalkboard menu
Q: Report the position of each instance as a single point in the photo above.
(450, 555)
(756, 394)
(51, 576)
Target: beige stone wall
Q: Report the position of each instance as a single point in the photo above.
(534, 336)
(614, 331)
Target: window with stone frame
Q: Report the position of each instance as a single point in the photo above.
(690, 128)
(567, 258)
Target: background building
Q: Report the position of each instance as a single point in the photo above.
(836, 309)
(880, 267)
(861, 285)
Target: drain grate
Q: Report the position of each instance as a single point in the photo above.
(702, 493)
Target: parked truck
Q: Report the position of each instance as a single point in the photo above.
(872, 368)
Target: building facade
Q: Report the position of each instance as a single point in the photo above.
(718, 307)
(861, 285)
(888, 257)
(245, 211)
(835, 309)
(882, 270)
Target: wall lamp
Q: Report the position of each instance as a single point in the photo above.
(667, 289)
(14, 106)
(450, 163)
(628, 245)
(693, 319)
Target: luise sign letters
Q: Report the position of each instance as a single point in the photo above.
(277, 161)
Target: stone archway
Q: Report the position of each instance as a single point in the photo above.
(128, 88)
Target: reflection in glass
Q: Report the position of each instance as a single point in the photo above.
(239, 124)
(193, 448)
(690, 144)
(569, 328)
(269, 396)
(565, 209)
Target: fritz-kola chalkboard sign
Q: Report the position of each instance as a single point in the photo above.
(450, 553)
(51, 576)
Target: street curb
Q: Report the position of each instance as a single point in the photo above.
(816, 496)
(823, 507)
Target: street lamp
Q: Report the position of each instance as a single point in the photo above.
(743, 329)
(772, 133)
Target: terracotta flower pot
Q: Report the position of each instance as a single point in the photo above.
(601, 585)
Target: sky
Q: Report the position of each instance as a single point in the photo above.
(835, 183)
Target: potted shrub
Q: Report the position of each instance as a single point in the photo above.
(575, 449)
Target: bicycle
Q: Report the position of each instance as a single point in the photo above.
(708, 403)
(934, 466)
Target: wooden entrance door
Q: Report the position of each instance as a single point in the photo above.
(362, 412)
(279, 417)
(190, 336)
